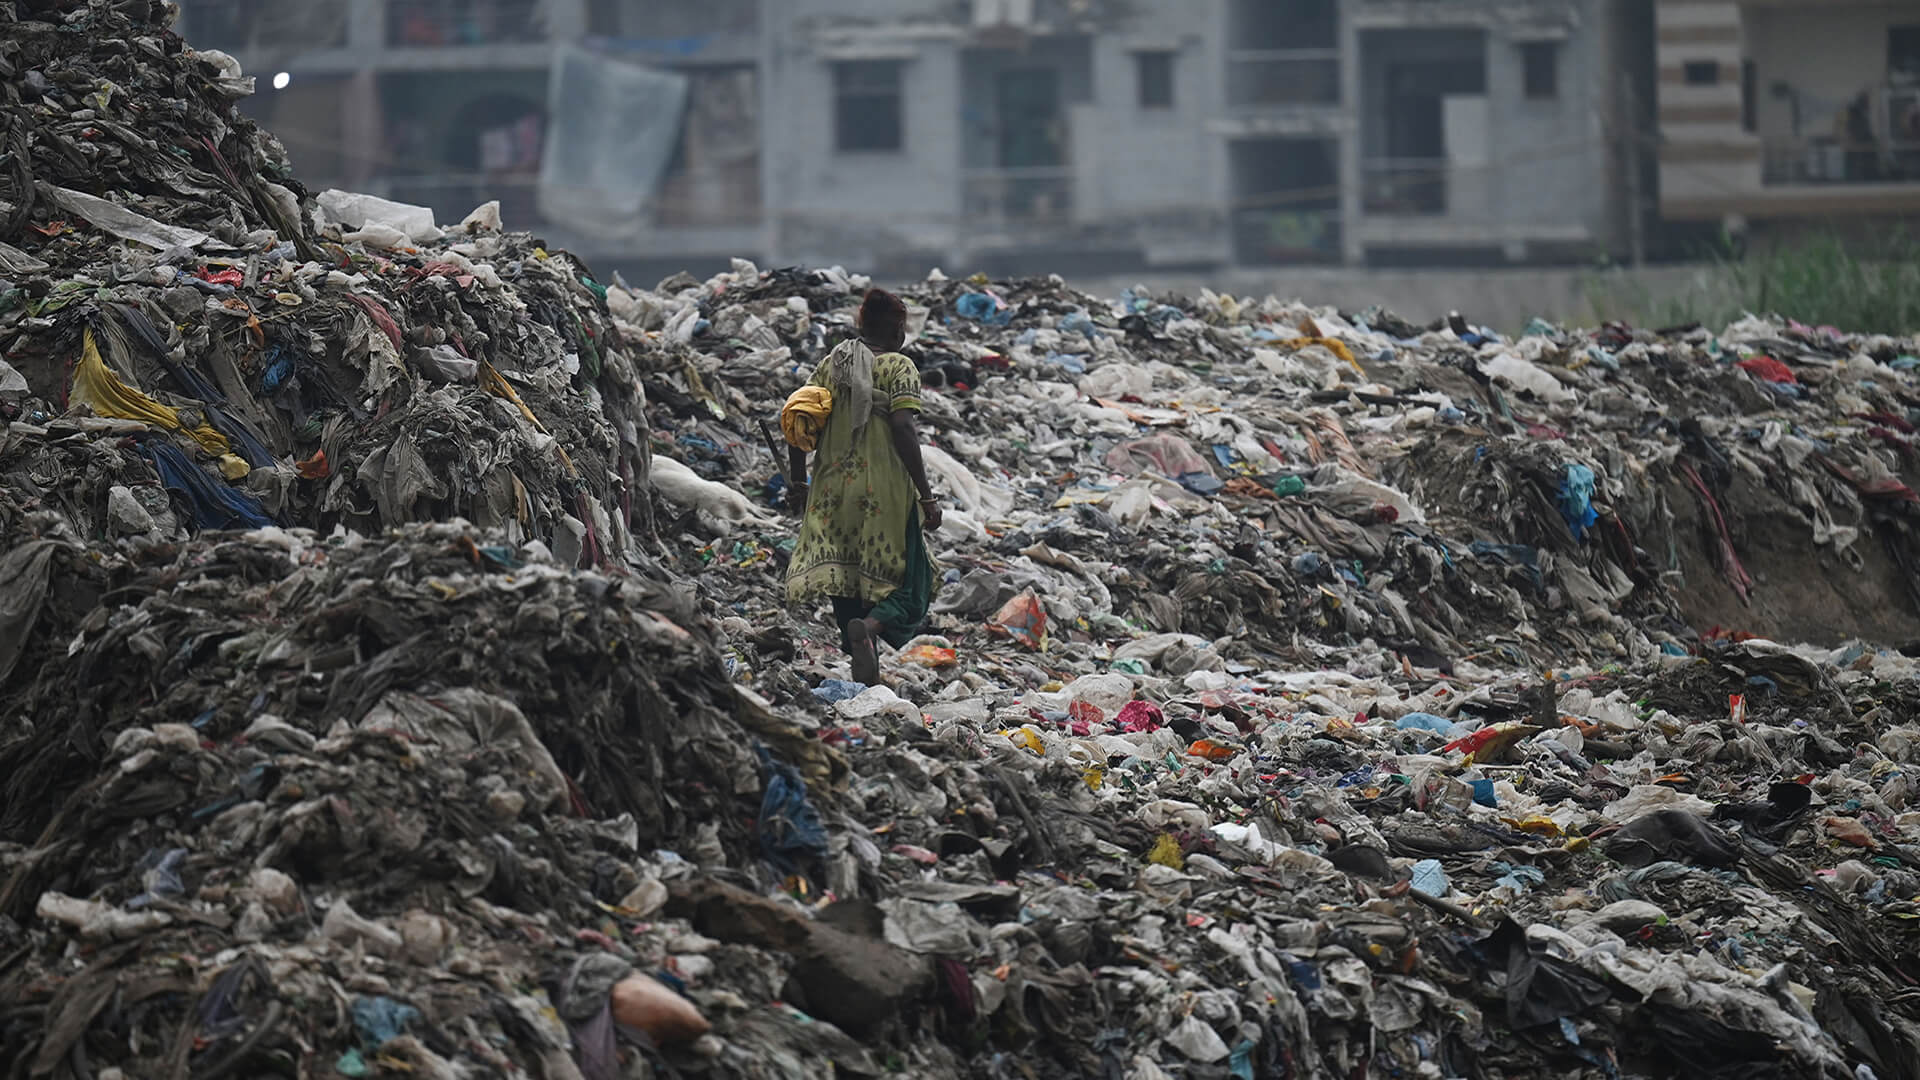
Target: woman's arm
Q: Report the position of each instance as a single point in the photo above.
(796, 479)
(906, 443)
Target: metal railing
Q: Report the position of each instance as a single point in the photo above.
(241, 25)
(1827, 160)
(1272, 77)
(1264, 236)
(1406, 186)
(418, 24)
(1002, 197)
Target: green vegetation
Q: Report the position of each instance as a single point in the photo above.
(1820, 280)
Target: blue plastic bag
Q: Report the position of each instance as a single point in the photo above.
(788, 825)
(1431, 878)
(1576, 500)
(982, 308)
(1423, 721)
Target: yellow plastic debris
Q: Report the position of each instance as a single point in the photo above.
(1166, 851)
(1027, 739)
(103, 392)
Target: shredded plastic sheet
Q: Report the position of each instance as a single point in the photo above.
(611, 131)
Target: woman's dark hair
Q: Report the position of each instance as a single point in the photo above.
(883, 318)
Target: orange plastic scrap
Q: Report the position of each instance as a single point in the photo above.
(1242, 486)
(315, 467)
(1538, 824)
(1849, 830)
(1212, 751)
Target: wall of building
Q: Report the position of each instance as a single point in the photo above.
(1156, 168)
(826, 205)
(1142, 179)
(1706, 160)
(1826, 55)
(1548, 180)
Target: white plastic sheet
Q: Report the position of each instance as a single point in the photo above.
(612, 133)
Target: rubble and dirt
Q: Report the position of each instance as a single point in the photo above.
(396, 679)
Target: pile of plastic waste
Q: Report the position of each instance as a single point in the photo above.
(395, 676)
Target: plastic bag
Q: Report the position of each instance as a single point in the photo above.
(1024, 620)
(354, 210)
(643, 1002)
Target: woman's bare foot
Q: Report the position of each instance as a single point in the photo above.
(866, 661)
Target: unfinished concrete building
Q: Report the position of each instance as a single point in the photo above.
(449, 103)
(1077, 136)
(1196, 133)
(1777, 111)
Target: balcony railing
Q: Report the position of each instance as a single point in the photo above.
(418, 24)
(240, 25)
(1259, 78)
(1827, 160)
(1405, 186)
(996, 198)
(1266, 236)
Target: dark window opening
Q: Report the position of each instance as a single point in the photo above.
(1285, 24)
(867, 107)
(1156, 79)
(1903, 53)
(1286, 196)
(1701, 72)
(1541, 61)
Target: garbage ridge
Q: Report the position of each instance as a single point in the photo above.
(397, 677)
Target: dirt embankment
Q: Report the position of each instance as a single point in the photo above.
(1801, 592)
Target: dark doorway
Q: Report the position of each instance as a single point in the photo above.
(1286, 196)
(1028, 104)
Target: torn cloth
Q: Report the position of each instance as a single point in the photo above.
(211, 504)
(23, 587)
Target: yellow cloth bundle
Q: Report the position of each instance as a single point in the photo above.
(805, 415)
(101, 390)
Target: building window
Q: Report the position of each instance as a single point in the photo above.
(866, 106)
(1156, 79)
(1701, 72)
(1903, 52)
(1541, 61)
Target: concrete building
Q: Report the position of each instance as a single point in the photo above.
(446, 103)
(1195, 133)
(1775, 111)
(1078, 136)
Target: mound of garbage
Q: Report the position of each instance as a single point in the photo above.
(395, 677)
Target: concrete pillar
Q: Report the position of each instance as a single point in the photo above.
(1352, 206)
(361, 129)
(366, 25)
(567, 19)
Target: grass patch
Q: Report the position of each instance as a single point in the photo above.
(1819, 280)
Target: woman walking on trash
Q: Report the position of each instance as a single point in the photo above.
(860, 544)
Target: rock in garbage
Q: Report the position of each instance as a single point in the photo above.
(275, 890)
(640, 1001)
(855, 981)
(125, 513)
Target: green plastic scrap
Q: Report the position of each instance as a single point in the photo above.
(351, 1064)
